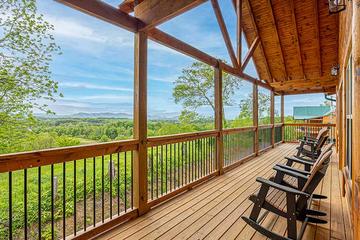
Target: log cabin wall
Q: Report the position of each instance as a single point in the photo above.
(349, 58)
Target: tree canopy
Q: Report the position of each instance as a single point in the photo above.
(27, 48)
(195, 87)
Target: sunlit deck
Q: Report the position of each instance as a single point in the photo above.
(213, 210)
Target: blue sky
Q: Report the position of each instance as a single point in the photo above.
(95, 70)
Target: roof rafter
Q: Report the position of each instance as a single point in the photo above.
(250, 53)
(155, 12)
(239, 30)
(225, 33)
(105, 12)
(112, 15)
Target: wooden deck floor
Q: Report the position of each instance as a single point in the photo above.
(213, 210)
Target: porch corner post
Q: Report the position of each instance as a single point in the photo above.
(256, 118)
(356, 118)
(219, 119)
(140, 123)
(283, 118)
(272, 118)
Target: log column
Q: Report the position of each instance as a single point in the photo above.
(272, 118)
(140, 123)
(283, 118)
(219, 119)
(256, 118)
(356, 118)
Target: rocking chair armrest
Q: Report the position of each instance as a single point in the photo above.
(281, 187)
(304, 159)
(299, 160)
(308, 142)
(290, 173)
(293, 169)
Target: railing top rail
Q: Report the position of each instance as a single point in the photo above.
(278, 124)
(266, 126)
(311, 124)
(237, 130)
(18, 161)
(156, 141)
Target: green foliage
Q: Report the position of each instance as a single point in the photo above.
(195, 87)
(27, 48)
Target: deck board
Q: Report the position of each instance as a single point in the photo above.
(213, 210)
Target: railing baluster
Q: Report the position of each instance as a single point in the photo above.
(118, 183)
(64, 200)
(94, 191)
(152, 173)
(157, 171)
(125, 181)
(102, 190)
(132, 180)
(25, 206)
(111, 179)
(39, 202)
(52, 202)
(84, 194)
(75, 198)
(10, 206)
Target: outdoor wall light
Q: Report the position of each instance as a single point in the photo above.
(336, 6)
(335, 70)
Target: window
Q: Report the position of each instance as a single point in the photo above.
(349, 98)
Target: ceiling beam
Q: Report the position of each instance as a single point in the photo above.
(239, 30)
(155, 12)
(112, 15)
(250, 53)
(277, 38)
(330, 90)
(224, 32)
(317, 31)
(297, 41)
(247, 4)
(105, 12)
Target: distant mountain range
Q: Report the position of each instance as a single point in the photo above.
(107, 115)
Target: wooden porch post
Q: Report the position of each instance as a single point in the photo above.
(140, 123)
(219, 119)
(256, 118)
(356, 118)
(283, 117)
(272, 118)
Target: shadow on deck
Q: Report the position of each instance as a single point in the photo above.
(213, 210)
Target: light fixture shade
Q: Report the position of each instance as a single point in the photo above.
(336, 6)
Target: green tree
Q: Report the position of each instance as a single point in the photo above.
(246, 110)
(27, 47)
(195, 87)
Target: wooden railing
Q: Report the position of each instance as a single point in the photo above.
(79, 192)
(67, 191)
(295, 131)
(238, 144)
(179, 161)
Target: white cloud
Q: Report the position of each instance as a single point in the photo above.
(93, 86)
(104, 97)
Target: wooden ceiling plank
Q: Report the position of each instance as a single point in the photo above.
(318, 45)
(277, 38)
(293, 15)
(155, 12)
(225, 33)
(247, 4)
(250, 53)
